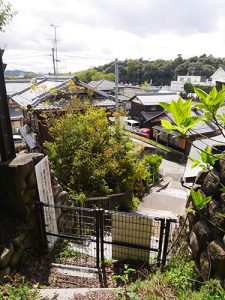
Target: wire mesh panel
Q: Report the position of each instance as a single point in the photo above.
(131, 236)
(98, 235)
(79, 226)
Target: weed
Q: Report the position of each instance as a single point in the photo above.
(124, 293)
(107, 262)
(177, 281)
(63, 250)
(18, 290)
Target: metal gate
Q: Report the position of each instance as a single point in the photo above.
(100, 235)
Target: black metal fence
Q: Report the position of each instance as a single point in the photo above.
(99, 235)
(110, 202)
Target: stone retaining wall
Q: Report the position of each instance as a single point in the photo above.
(18, 194)
(206, 229)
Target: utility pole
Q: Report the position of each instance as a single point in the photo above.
(116, 83)
(7, 148)
(53, 60)
(56, 49)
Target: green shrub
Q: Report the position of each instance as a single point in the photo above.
(91, 158)
(18, 290)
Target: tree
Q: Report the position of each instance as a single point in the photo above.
(6, 14)
(93, 158)
(94, 75)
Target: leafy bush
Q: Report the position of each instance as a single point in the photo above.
(152, 164)
(93, 158)
(18, 290)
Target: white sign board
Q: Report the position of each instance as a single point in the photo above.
(46, 196)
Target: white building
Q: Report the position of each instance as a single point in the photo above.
(218, 75)
(178, 85)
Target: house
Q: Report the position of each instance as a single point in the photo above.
(108, 87)
(220, 83)
(218, 75)
(174, 140)
(145, 107)
(178, 85)
(15, 111)
(51, 94)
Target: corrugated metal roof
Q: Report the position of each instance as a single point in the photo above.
(155, 99)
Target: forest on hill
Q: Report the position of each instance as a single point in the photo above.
(157, 72)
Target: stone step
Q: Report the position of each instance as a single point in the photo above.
(69, 293)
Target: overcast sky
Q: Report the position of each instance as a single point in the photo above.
(94, 32)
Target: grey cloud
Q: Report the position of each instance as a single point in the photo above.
(155, 16)
(143, 17)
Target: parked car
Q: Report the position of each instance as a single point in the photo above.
(132, 125)
(145, 132)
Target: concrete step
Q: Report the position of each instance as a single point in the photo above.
(69, 293)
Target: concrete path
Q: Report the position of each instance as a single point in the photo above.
(169, 198)
(171, 169)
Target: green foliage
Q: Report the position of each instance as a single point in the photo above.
(63, 250)
(161, 72)
(211, 102)
(93, 158)
(210, 290)
(152, 164)
(124, 279)
(94, 75)
(18, 290)
(6, 14)
(145, 85)
(189, 88)
(177, 281)
(207, 159)
(198, 200)
(181, 111)
(180, 275)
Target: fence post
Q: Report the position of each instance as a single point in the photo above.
(42, 227)
(162, 227)
(166, 241)
(102, 234)
(97, 217)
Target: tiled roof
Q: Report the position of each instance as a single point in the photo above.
(16, 86)
(200, 127)
(38, 94)
(150, 115)
(103, 85)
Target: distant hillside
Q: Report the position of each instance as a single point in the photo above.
(157, 72)
(19, 73)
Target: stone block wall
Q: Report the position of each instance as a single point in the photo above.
(206, 229)
(18, 194)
